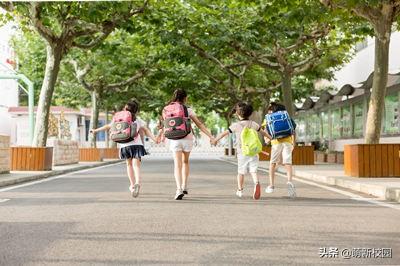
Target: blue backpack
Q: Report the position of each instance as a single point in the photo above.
(279, 125)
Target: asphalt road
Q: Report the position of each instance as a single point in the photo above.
(89, 218)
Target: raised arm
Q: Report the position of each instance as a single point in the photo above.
(103, 128)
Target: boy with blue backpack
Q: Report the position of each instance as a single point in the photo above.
(281, 129)
(248, 146)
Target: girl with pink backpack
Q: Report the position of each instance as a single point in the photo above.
(126, 129)
(175, 125)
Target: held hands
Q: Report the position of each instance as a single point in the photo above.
(213, 141)
(158, 139)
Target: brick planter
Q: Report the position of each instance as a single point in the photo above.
(64, 152)
(331, 157)
(320, 156)
(90, 155)
(4, 154)
(340, 158)
(265, 157)
(302, 155)
(110, 153)
(372, 160)
(31, 158)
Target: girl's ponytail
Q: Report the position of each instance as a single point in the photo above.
(133, 108)
(178, 96)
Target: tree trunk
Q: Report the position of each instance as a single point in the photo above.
(287, 92)
(94, 118)
(263, 111)
(266, 102)
(53, 59)
(378, 93)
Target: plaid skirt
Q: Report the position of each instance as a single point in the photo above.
(132, 152)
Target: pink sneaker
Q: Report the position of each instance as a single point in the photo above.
(257, 191)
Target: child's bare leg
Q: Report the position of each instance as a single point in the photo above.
(240, 180)
(178, 169)
(129, 170)
(289, 172)
(290, 185)
(272, 167)
(255, 178)
(185, 169)
(136, 169)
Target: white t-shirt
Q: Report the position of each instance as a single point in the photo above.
(238, 127)
(191, 113)
(138, 140)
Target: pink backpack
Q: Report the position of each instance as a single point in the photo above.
(176, 121)
(123, 129)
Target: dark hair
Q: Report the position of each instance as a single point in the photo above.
(275, 107)
(133, 107)
(179, 96)
(244, 110)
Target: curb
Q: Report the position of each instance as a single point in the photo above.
(380, 191)
(33, 177)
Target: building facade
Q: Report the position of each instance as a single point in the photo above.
(336, 118)
(9, 90)
(64, 123)
(333, 120)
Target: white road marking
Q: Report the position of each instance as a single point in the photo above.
(54, 177)
(352, 196)
(4, 200)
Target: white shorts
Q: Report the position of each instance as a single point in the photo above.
(247, 163)
(282, 153)
(185, 145)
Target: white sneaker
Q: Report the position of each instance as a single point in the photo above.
(135, 192)
(239, 193)
(269, 189)
(179, 194)
(291, 189)
(131, 189)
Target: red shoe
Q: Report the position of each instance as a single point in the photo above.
(257, 191)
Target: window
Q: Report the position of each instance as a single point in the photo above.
(391, 115)
(308, 128)
(87, 128)
(358, 120)
(300, 129)
(346, 122)
(336, 124)
(315, 127)
(101, 136)
(325, 125)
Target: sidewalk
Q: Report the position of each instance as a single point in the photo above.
(333, 174)
(17, 177)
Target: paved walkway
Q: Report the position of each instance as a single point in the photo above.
(17, 177)
(333, 174)
(89, 218)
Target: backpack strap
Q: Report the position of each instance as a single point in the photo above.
(186, 111)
